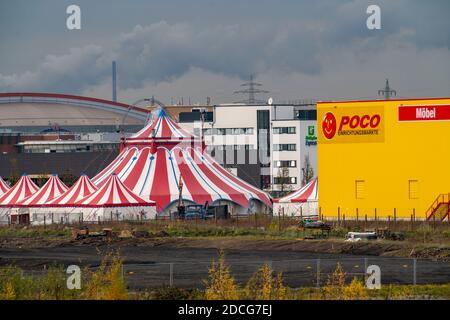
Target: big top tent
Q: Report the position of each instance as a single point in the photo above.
(161, 157)
(302, 202)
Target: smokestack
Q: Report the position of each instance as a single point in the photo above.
(114, 82)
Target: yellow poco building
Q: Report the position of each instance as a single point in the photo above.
(384, 158)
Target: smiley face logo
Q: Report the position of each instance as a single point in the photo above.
(329, 125)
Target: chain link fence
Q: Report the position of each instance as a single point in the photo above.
(296, 273)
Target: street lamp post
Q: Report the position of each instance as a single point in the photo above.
(131, 106)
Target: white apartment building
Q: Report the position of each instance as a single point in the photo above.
(273, 138)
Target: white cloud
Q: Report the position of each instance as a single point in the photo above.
(326, 55)
(77, 69)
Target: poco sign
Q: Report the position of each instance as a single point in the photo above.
(341, 125)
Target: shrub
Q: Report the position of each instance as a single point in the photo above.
(107, 284)
(355, 291)
(264, 286)
(335, 284)
(220, 284)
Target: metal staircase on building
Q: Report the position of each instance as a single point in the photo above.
(440, 209)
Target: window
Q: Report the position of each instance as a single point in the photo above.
(284, 130)
(285, 164)
(306, 114)
(360, 189)
(228, 131)
(285, 180)
(413, 189)
(284, 147)
(249, 147)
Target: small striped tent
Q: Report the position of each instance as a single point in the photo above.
(114, 201)
(302, 202)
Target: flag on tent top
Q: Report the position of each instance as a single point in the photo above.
(113, 194)
(4, 187)
(79, 190)
(309, 192)
(23, 188)
(53, 188)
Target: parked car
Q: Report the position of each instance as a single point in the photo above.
(197, 212)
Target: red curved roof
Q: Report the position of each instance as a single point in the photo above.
(70, 97)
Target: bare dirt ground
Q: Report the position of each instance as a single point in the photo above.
(371, 248)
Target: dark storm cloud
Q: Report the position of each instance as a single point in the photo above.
(234, 40)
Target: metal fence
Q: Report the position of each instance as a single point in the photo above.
(296, 273)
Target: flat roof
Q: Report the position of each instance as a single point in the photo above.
(45, 142)
(380, 100)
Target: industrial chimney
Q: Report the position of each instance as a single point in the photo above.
(114, 82)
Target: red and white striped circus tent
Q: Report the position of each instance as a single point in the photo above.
(23, 188)
(162, 157)
(110, 197)
(4, 187)
(79, 190)
(53, 188)
(304, 201)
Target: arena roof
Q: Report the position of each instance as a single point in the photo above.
(41, 109)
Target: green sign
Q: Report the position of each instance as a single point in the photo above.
(311, 138)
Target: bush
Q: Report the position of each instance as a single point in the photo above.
(220, 284)
(264, 286)
(355, 291)
(107, 284)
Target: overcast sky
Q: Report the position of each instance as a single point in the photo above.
(298, 49)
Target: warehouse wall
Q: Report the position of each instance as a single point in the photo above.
(405, 166)
(42, 163)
